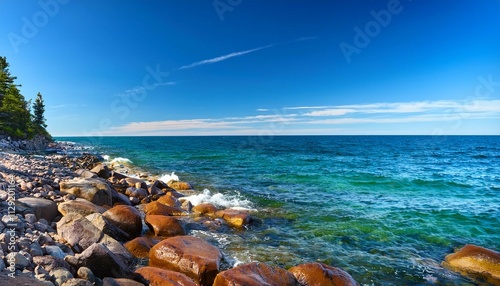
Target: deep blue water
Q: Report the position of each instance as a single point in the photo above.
(387, 209)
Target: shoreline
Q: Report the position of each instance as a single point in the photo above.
(165, 211)
(46, 206)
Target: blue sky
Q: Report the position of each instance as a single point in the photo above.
(241, 67)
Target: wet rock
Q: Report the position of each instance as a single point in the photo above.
(156, 208)
(161, 277)
(126, 218)
(140, 246)
(179, 186)
(94, 190)
(255, 274)
(79, 206)
(42, 208)
(205, 209)
(162, 225)
(60, 275)
(321, 274)
(102, 261)
(235, 218)
(169, 201)
(477, 262)
(190, 255)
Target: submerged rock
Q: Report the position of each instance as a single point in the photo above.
(205, 209)
(190, 255)
(321, 274)
(235, 218)
(477, 262)
(256, 274)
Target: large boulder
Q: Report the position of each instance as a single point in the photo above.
(127, 218)
(162, 225)
(477, 262)
(169, 201)
(79, 206)
(236, 218)
(189, 255)
(140, 246)
(105, 226)
(321, 274)
(94, 190)
(42, 208)
(102, 261)
(255, 274)
(102, 171)
(134, 182)
(80, 233)
(84, 173)
(156, 208)
(161, 277)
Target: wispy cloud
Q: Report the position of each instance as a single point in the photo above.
(224, 57)
(355, 118)
(262, 109)
(68, 105)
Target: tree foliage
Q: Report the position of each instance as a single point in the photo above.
(16, 119)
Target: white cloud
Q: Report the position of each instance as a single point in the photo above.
(224, 57)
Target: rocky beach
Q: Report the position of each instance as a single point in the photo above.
(78, 220)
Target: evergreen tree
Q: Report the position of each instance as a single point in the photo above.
(38, 113)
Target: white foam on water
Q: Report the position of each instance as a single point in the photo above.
(105, 157)
(169, 177)
(120, 160)
(220, 200)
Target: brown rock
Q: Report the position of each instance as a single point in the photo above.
(136, 193)
(169, 201)
(133, 182)
(108, 281)
(235, 218)
(102, 171)
(79, 206)
(162, 225)
(127, 218)
(477, 262)
(179, 186)
(156, 208)
(42, 208)
(189, 255)
(321, 274)
(205, 209)
(255, 274)
(93, 190)
(50, 263)
(84, 173)
(161, 277)
(140, 246)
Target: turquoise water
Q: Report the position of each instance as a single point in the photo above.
(387, 209)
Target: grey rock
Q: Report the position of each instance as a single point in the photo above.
(42, 208)
(86, 273)
(49, 263)
(107, 227)
(20, 261)
(36, 249)
(94, 190)
(55, 251)
(61, 275)
(30, 218)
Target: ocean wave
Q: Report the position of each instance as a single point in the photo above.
(120, 160)
(169, 177)
(220, 200)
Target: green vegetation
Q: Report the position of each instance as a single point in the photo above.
(16, 119)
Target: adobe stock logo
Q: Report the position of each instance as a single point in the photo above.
(31, 25)
(372, 29)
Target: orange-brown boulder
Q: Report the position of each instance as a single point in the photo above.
(190, 255)
(477, 262)
(134, 182)
(179, 186)
(126, 218)
(235, 218)
(162, 225)
(161, 277)
(255, 274)
(321, 274)
(140, 246)
(205, 209)
(169, 201)
(156, 208)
